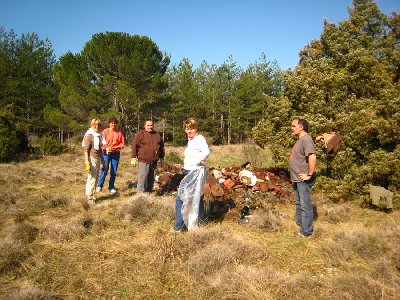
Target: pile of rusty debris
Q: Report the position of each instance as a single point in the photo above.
(233, 189)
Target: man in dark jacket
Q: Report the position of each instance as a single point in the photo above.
(147, 149)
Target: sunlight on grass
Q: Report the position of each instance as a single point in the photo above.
(54, 246)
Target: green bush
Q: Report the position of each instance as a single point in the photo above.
(254, 155)
(12, 141)
(173, 157)
(180, 138)
(343, 84)
(49, 145)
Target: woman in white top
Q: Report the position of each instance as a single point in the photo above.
(92, 142)
(189, 204)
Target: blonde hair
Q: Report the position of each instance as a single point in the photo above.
(191, 123)
(95, 122)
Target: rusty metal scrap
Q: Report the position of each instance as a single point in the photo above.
(228, 190)
(230, 181)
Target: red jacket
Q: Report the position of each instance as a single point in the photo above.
(148, 147)
(114, 139)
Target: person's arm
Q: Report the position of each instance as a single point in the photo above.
(162, 148)
(104, 140)
(312, 162)
(122, 142)
(134, 146)
(134, 153)
(205, 151)
(86, 150)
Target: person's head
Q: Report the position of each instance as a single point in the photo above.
(191, 127)
(95, 124)
(149, 125)
(299, 126)
(113, 123)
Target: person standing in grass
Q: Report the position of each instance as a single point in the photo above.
(114, 143)
(147, 149)
(189, 202)
(93, 157)
(302, 164)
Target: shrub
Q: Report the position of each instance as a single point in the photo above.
(254, 155)
(12, 253)
(142, 210)
(173, 158)
(12, 141)
(49, 145)
(336, 214)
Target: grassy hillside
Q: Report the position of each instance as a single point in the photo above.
(54, 246)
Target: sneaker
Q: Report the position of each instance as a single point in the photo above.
(98, 189)
(302, 235)
(112, 191)
(91, 200)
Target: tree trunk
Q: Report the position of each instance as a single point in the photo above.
(229, 132)
(222, 126)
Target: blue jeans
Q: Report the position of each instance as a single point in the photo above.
(179, 223)
(304, 206)
(113, 159)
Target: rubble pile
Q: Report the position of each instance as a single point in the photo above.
(234, 191)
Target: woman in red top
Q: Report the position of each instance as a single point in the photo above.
(113, 143)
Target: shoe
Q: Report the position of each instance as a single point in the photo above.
(91, 200)
(112, 191)
(98, 189)
(179, 230)
(302, 235)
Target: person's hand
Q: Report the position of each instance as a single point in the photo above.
(134, 161)
(318, 138)
(87, 167)
(304, 177)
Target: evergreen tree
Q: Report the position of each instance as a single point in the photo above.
(26, 69)
(348, 82)
(184, 98)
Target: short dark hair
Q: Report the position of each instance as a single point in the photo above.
(112, 120)
(302, 122)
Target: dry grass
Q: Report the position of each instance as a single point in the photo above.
(54, 246)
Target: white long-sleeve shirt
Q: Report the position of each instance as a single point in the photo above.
(195, 153)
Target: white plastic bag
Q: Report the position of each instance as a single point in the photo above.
(190, 190)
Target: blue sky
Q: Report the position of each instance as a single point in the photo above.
(209, 30)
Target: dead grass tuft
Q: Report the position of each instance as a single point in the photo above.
(217, 251)
(211, 259)
(352, 286)
(335, 213)
(87, 221)
(244, 282)
(33, 293)
(267, 219)
(166, 247)
(24, 232)
(142, 209)
(12, 254)
(346, 245)
(61, 232)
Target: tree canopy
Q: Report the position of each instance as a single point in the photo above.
(347, 81)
